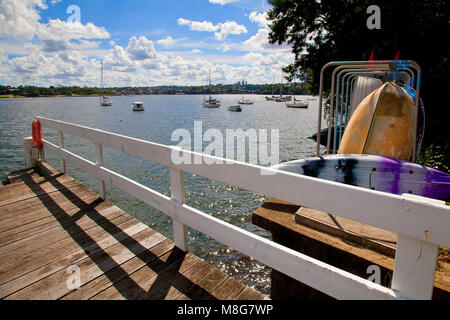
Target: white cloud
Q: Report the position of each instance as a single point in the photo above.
(229, 27)
(141, 49)
(169, 41)
(119, 59)
(197, 25)
(260, 43)
(196, 51)
(62, 30)
(3, 56)
(223, 2)
(221, 30)
(259, 18)
(20, 19)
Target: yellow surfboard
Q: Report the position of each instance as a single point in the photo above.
(382, 124)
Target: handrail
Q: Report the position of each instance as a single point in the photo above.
(423, 222)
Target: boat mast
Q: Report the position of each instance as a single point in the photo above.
(101, 81)
(281, 86)
(242, 85)
(209, 85)
(273, 83)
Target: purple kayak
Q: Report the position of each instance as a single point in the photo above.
(376, 173)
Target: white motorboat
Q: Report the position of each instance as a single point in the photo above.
(245, 101)
(104, 101)
(297, 104)
(235, 108)
(138, 106)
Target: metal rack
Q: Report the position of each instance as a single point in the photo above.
(343, 80)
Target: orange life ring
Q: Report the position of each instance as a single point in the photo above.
(37, 134)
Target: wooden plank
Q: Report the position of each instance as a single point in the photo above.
(370, 237)
(170, 264)
(28, 205)
(56, 211)
(26, 230)
(56, 234)
(17, 176)
(66, 225)
(55, 285)
(249, 294)
(228, 290)
(171, 287)
(95, 245)
(115, 275)
(203, 288)
(19, 263)
(21, 191)
(67, 212)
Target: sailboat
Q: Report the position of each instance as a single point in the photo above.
(297, 103)
(281, 98)
(210, 102)
(272, 98)
(104, 101)
(244, 100)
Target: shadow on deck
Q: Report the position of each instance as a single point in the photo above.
(56, 234)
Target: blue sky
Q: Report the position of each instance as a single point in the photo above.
(141, 43)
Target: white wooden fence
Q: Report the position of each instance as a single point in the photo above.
(421, 224)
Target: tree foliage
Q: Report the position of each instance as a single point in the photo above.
(330, 30)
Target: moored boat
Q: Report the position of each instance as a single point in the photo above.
(138, 106)
(235, 108)
(104, 101)
(210, 104)
(297, 104)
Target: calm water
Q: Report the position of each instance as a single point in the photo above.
(163, 115)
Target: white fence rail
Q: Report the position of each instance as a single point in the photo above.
(422, 224)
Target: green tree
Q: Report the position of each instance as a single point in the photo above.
(330, 30)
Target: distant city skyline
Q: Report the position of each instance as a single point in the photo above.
(141, 43)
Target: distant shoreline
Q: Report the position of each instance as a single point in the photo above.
(9, 96)
(51, 96)
(32, 91)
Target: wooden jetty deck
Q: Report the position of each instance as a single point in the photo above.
(52, 226)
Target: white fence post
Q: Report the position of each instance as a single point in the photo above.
(61, 146)
(31, 153)
(415, 263)
(99, 163)
(177, 194)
